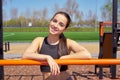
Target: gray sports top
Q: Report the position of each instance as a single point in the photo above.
(51, 50)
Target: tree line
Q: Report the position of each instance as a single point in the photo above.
(40, 18)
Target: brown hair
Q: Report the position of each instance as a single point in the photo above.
(63, 50)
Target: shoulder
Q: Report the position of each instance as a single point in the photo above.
(35, 45)
(38, 40)
(70, 41)
(74, 46)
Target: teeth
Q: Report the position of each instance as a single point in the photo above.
(54, 29)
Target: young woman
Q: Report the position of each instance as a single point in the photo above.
(55, 46)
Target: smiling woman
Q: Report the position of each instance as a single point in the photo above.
(55, 46)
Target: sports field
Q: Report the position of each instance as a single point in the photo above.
(29, 36)
(33, 72)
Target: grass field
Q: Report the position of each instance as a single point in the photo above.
(29, 36)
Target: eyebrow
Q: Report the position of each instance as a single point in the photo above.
(61, 22)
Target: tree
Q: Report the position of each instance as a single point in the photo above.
(44, 14)
(14, 13)
(5, 15)
(57, 8)
(45, 17)
(5, 19)
(91, 19)
(107, 11)
(5, 2)
(21, 21)
(118, 10)
(71, 7)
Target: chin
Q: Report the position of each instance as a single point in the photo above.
(52, 32)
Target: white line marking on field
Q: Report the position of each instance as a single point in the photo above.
(11, 34)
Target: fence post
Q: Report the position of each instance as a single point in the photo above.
(5, 46)
(1, 42)
(8, 45)
(114, 36)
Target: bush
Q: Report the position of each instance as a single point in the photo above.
(45, 29)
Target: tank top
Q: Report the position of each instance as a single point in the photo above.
(51, 50)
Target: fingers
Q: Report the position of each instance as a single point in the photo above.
(54, 68)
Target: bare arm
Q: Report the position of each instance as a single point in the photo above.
(78, 51)
(32, 53)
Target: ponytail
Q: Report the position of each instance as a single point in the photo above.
(63, 50)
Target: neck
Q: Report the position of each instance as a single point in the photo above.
(53, 40)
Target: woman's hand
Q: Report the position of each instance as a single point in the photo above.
(54, 67)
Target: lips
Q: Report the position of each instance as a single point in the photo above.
(53, 29)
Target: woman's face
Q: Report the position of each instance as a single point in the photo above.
(58, 24)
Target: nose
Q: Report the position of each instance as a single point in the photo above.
(56, 25)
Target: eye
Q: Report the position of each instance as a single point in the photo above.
(54, 20)
(61, 24)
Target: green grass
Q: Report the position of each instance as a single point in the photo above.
(29, 36)
(83, 36)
